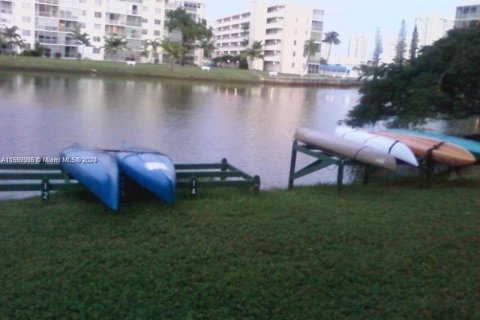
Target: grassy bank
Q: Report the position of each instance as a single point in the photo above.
(376, 252)
(121, 69)
(162, 71)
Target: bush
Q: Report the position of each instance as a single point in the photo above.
(36, 52)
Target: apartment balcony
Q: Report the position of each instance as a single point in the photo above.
(228, 31)
(54, 2)
(275, 58)
(278, 24)
(274, 32)
(276, 14)
(273, 47)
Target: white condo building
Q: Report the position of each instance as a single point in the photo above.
(431, 28)
(467, 15)
(49, 22)
(358, 49)
(283, 30)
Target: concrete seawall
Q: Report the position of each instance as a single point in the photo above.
(312, 82)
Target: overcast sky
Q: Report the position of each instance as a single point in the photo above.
(355, 17)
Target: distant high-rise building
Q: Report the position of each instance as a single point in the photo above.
(467, 15)
(51, 22)
(358, 49)
(283, 30)
(431, 28)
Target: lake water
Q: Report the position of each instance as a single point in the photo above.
(251, 126)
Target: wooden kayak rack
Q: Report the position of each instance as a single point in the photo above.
(323, 160)
(49, 177)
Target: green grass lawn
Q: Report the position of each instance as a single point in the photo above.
(386, 251)
(121, 69)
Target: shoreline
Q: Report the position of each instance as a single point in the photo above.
(163, 72)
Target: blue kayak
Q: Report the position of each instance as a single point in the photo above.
(470, 145)
(94, 169)
(152, 170)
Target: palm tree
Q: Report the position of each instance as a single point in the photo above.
(208, 46)
(113, 45)
(80, 39)
(331, 38)
(11, 38)
(310, 48)
(174, 50)
(255, 51)
(154, 45)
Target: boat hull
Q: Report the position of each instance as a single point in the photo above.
(152, 170)
(346, 148)
(95, 170)
(441, 151)
(382, 144)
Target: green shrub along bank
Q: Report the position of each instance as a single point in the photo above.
(376, 252)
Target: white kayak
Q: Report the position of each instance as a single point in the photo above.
(346, 148)
(389, 146)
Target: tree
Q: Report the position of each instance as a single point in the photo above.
(154, 45)
(441, 83)
(80, 39)
(191, 30)
(310, 48)
(245, 31)
(401, 46)
(11, 38)
(206, 43)
(378, 48)
(331, 38)
(113, 45)
(174, 50)
(255, 51)
(414, 44)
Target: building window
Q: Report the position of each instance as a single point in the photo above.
(144, 20)
(96, 50)
(98, 14)
(294, 54)
(317, 25)
(293, 64)
(26, 33)
(294, 42)
(158, 22)
(96, 39)
(156, 33)
(26, 19)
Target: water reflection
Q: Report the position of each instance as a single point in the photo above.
(252, 126)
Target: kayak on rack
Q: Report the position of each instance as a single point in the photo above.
(440, 151)
(96, 170)
(470, 145)
(383, 144)
(151, 169)
(346, 148)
